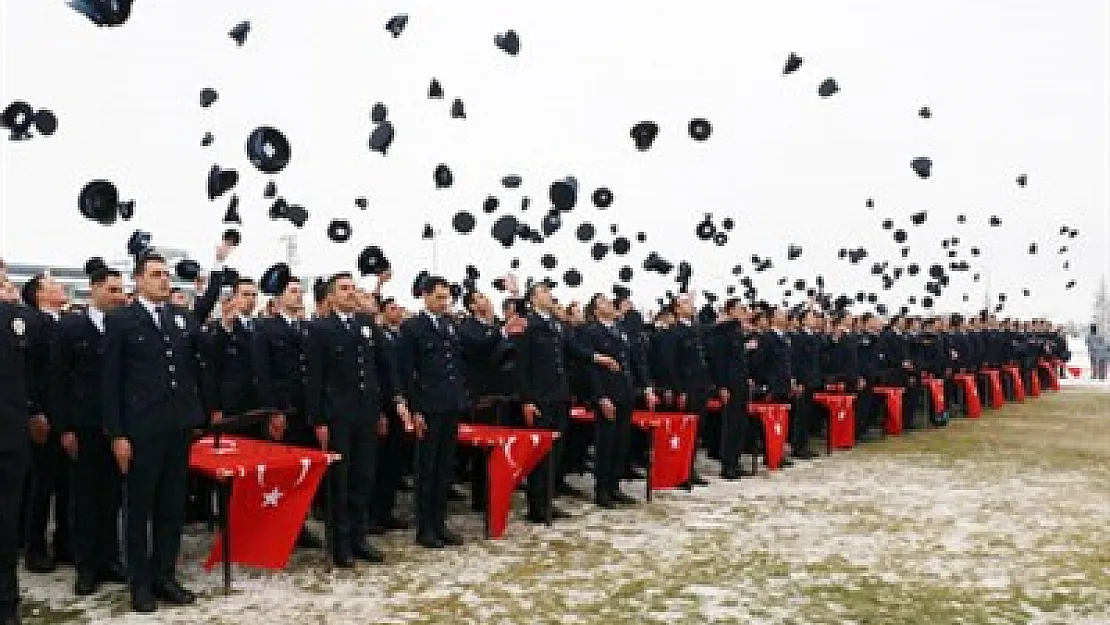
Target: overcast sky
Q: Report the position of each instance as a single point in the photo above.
(1015, 86)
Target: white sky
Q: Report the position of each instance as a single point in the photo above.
(1015, 86)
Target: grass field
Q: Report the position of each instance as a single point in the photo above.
(1000, 520)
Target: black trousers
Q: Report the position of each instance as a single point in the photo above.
(553, 416)
(435, 469)
(734, 427)
(97, 497)
(611, 448)
(351, 480)
(391, 454)
(696, 401)
(155, 506)
(804, 411)
(49, 489)
(13, 468)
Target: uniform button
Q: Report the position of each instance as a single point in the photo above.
(360, 360)
(172, 368)
(169, 353)
(451, 378)
(362, 387)
(173, 383)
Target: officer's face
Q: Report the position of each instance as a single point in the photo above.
(394, 314)
(246, 299)
(293, 298)
(344, 296)
(541, 298)
(109, 295)
(604, 308)
(154, 282)
(8, 292)
(684, 308)
(438, 301)
(53, 294)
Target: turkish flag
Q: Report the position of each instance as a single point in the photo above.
(1053, 376)
(776, 427)
(1035, 384)
(842, 418)
(672, 445)
(936, 392)
(1015, 377)
(971, 394)
(893, 395)
(995, 384)
(271, 490)
(514, 457)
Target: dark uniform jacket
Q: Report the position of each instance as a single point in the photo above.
(544, 352)
(155, 379)
(618, 386)
(76, 372)
(280, 365)
(24, 355)
(432, 364)
(350, 371)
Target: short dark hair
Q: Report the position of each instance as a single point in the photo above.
(100, 276)
(142, 261)
(731, 304)
(434, 282)
(388, 301)
(591, 307)
(329, 286)
(241, 282)
(31, 290)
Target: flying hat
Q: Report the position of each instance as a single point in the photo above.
(220, 181)
(268, 149)
(922, 166)
(458, 110)
(793, 62)
(700, 129)
(98, 201)
(239, 32)
(396, 24)
(643, 135)
(275, 279)
(138, 244)
(372, 261)
(231, 216)
(508, 42)
(208, 97)
(339, 230)
(828, 88)
(443, 177)
(381, 137)
(108, 13)
(187, 269)
(463, 222)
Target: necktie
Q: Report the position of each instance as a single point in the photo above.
(158, 310)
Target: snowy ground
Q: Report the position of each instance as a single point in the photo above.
(1001, 520)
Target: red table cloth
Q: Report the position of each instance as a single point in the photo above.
(994, 382)
(514, 452)
(1051, 369)
(971, 394)
(935, 387)
(776, 427)
(1035, 384)
(842, 418)
(1014, 373)
(893, 397)
(673, 442)
(272, 486)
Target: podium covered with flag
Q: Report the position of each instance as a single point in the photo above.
(265, 491)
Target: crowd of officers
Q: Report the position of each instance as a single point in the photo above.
(98, 405)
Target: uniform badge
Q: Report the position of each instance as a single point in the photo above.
(180, 321)
(365, 332)
(19, 326)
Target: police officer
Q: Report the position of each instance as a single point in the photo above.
(544, 351)
(685, 360)
(77, 358)
(50, 466)
(280, 370)
(805, 365)
(156, 389)
(23, 362)
(231, 349)
(733, 348)
(351, 373)
(394, 452)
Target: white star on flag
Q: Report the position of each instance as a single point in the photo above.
(778, 429)
(270, 499)
(840, 415)
(674, 442)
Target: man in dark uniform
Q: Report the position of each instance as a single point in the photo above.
(231, 349)
(280, 369)
(731, 353)
(870, 361)
(50, 466)
(613, 397)
(685, 362)
(805, 365)
(77, 358)
(544, 351)
(773, 372)
(351, 373)
(394, 450)
(156, 389)
(434, 373)
(24, 353)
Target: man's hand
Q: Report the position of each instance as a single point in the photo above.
(121, 449)
(69, 444)
(607, 362)
(512, 285)
(383, 426)
(724, 395)
(529, 412)
(681, 403)
(276, 426)
(223, 250)
(651, 400)
(608, 410)
(668, 398)
(402, 411)
(322, 436)
(39, 429)
(419, 425)
(862, 383)
(217, 417)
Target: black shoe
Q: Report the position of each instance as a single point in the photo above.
(562, 489)
(393, 524)
(450, 538)
(786, 463)
(38, 561)
(558, 513)
(112, 574)
(343, 559)
(455, 494)
(429, 541)
(622, 498)
(603, 500)
(805, 454)
(698, 480)
(632, 473)
(308, 540)
(367, 552)
(142, 601)
(63, 555)
(174, 593)
(11, 618)
(85, 584)
(406, 483)
(731, 474)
